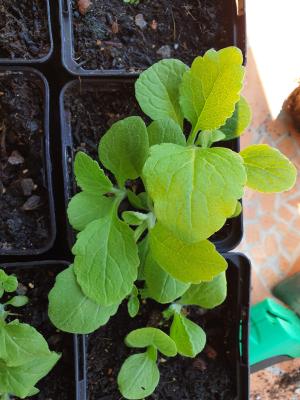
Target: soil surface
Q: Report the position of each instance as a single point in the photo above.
(24, 31)
(92, 111)
(112, 35)
(210, 376)
(36, 284)
(24, 220)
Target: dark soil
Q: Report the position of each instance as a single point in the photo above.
(24, 220)
(114, 35)
(210, 376)
(24, 31)
(36, 284)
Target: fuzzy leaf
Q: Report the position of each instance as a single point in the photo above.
(71, 311)
(165, 131)
(138, 377)
(145, 337)
(89, 176)
(124, 148)
(157, 90)
(268, 170)
(239, 121)
(189, 337)
(189, 263)
(106, 260)
(194, 190)
(207, 294)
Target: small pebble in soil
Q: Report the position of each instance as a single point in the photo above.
(28, 186)
(165, 51)
(16, 158)
(32, 203)
(84, 6)
(140, 21)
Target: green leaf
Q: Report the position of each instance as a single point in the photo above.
(160, 285)
(207, 294)
(165, 131)
(268, 170)
(89, 176)
(138, 377)
(143, 248)
(71, 311)
(20, 380)
(124, 148)
(238, 210)
(106, 260)
(85, 207)
(138, 200)
(190, 339)
(239, 121)
(210, 90)
(207, 138)
(157, 90)
(133, 305)
(134, 218)
(194, 190)
(187, 262)
(21, 343)
(10, 284)
(17, 301)
(145, 337)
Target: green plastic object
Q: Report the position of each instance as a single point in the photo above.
(288, 291)
(275, 332)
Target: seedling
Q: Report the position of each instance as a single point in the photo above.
(134, 2)
(25, 357)
(189, 187)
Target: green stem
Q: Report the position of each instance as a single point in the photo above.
(140, 230)
(193, 135)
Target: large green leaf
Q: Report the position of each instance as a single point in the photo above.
(20, 380)
(145, 337)
(268, 170)
(194, 189)
(165, 131)
(89, 176)
(71, 311)
(85, 207)
(157, 90)
(189, 337)
(207, 294)
(160, 285)
(239, 121)
(138, 377)
(124, 148)
(106, 260)
(210, 90)
(187, 262)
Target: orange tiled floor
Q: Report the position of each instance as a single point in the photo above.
(271, 226)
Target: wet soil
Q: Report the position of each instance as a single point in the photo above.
(24, 220)
(114, 35)
(24, 31)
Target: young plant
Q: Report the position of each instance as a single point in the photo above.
(25, 357)
(190, 186)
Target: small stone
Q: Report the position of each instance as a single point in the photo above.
(21, 290)
(176, 46)
(32, 203)
(31, 285)
(164, 51)
(153, 24)
(140, 21)
(15, 158)
(27, 185)
(84, 6)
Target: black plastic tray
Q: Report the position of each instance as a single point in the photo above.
(238, 278)
(41, 60)
(234, 10)
(47, 178)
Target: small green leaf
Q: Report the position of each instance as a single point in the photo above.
(160, 285)
(138, 377)
(18, 301)
(210, 90)
(165, 131)
(10, 284)
(134, 218)
(85, 207)
(207, 294)
(189, 263)
(89, 176)
(138, 200)
(190, 339)
(207, 138)
(124, 148)
(239, 121)
(71, 311)
(143, 247)
(145, 337)
(268, 170)
(157, 90)
(194, 189)
(133, 305)
(106, 260)
(238, 210)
